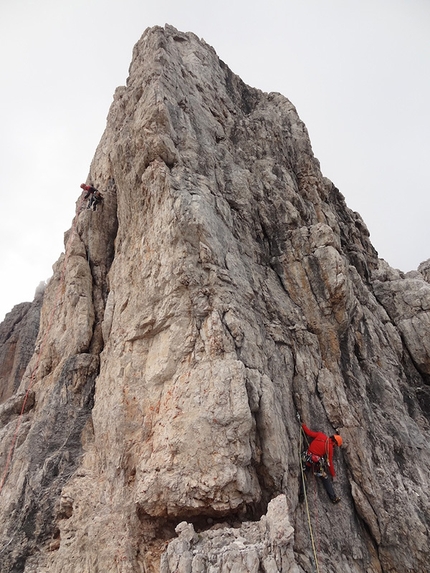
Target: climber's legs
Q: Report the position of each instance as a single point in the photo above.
(328, 486)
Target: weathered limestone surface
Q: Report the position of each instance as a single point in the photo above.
(18, 333)
(222, 286)
(266, 545)
(407, 301)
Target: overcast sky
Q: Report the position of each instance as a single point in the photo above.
(358, 72)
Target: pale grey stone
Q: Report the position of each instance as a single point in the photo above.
(222, 285)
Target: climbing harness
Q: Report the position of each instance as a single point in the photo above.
(42, 345)
(311, 534)
(317, 463)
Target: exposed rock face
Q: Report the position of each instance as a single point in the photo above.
(222, 285)
(18, 334)
(266, 545)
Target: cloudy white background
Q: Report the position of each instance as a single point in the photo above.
(356, 70)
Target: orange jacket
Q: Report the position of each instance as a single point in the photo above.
(321, 446)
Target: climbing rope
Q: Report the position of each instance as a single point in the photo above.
(42, 345)
(316, 516)
(311, 534)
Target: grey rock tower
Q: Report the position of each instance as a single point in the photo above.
(222, 285)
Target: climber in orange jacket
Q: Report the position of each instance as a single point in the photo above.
(319, 456)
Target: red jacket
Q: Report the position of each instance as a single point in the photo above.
(89, 189)
(321, 445)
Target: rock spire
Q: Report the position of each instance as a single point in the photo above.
(222, 285)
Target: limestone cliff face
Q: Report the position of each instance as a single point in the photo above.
(222, 286)
(18, 333)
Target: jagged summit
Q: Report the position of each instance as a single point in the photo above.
(221, 286)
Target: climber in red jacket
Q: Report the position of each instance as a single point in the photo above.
(319, 456)
(93, 195)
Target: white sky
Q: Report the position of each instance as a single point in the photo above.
(358, 72)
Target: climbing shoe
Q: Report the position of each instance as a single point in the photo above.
(335, 500)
